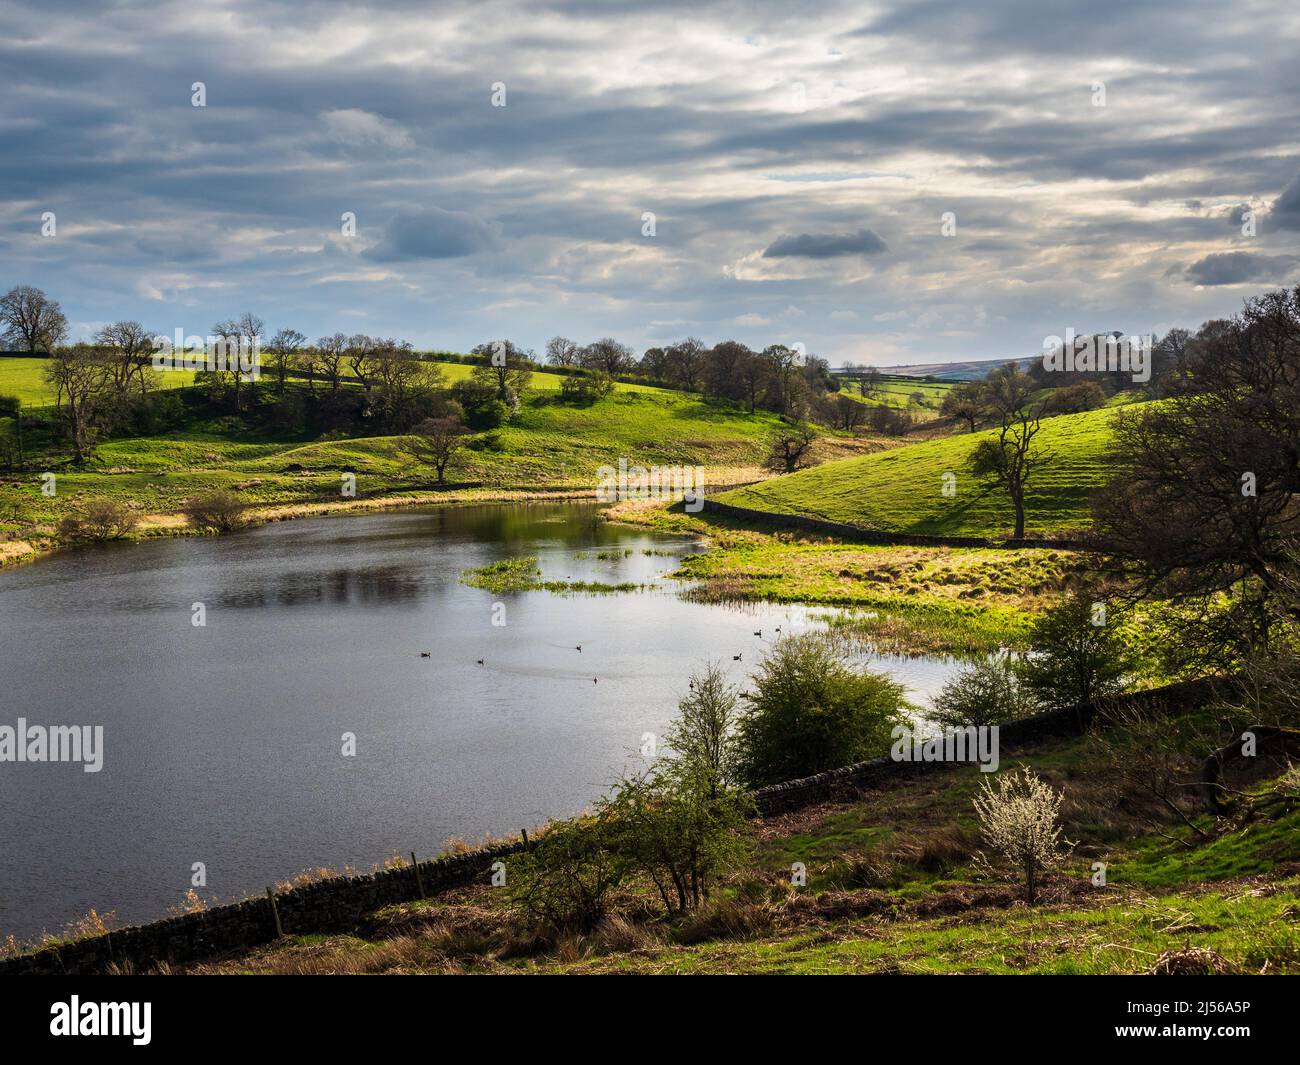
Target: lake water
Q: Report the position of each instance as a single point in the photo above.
(222, 743)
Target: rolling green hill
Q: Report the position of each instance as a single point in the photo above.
(901, 490)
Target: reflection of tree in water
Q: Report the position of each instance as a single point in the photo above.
(376, 584)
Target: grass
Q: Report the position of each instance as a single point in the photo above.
(903, 599)
(25, 378)
(902, 490)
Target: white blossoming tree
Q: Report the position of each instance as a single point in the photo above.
(1018, 820)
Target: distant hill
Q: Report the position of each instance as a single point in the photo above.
(972, 370)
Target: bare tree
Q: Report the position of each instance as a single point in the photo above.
(608, 356)
(330, 352)
(31, 320)
(82, 376)
(561, 351)
(684, 362)
(790, 449)
(282, 352)
(129, 346)
(435, 442)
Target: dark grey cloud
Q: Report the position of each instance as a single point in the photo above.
(433, 233)
(1239, 267)
(826, 245)
(1285, 213)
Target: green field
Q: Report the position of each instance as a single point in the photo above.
(897, 392)
(902, 490)
(25, 378)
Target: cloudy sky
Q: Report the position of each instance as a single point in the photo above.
(1099, 158)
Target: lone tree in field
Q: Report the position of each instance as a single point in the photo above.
(1205, 507)
(435, 442)
(790, 449)
(1018, 820)
(30, 320)
(1009, 458)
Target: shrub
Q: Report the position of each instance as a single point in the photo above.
(676, 826)
(565, 880)
(986, 693)
(100, 520)
(481, 404)
(586, 388)
(810, 712)
(218, 511)
(1018, 820)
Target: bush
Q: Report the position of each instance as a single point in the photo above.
(986, 693)
(586, 388)
(100, 520)
(810, 712)
(218, 511)
(483, 409)
(676, 826)
(565, 880)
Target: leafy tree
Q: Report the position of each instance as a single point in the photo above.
(985, 693)
(1079, 654)
(810, 712)
(676, 826)
(1204, 511)
(965, 402)
(505, 368)
(566, 879)
(703, 734)
(1010, 458)
(483, 410)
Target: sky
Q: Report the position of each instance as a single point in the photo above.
(765, 172)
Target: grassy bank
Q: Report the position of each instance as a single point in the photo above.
(893, 887)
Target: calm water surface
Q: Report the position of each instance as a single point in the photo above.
(222, 743)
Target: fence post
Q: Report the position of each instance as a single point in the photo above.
(419, 880)
(275, 912)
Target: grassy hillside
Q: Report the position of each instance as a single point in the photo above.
(547, 444)
(901, 490)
